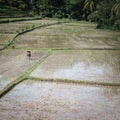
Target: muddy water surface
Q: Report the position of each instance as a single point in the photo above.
(69, 35)
(83, 65)
(50, 101)
(13, 63)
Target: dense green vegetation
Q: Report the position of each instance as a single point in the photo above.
(105, 12)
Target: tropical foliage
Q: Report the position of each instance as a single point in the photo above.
(116, 8)
(105, 12)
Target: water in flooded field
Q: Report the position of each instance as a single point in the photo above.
(13, 63)
(3, 83)
(69, 35)
(33, 100)
(83, 65)
(50, 101)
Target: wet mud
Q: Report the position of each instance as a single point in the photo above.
(89, 65)
(50, 101)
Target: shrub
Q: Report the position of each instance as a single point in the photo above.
(94, 17)
(31, 13)
(33, 26)
(116, 25)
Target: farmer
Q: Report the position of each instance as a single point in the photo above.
(29, 54)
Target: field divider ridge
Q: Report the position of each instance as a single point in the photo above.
(29, 30)
(84, 82)
(24, 76)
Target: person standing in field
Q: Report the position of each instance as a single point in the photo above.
(29, 54)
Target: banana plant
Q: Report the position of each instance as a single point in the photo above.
(116, 8)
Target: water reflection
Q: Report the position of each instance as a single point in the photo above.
(83, 65)
(81, 71)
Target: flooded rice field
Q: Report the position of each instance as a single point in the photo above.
(69, 35)
(13, 63)
(12, 27)
(35, 100)
(8, 30)
(50, 101)
(4, 37)
(38, 22)
(83, 65)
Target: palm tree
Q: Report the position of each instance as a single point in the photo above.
(89, 5)
(116, 8)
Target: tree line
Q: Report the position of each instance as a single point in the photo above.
(104, 12)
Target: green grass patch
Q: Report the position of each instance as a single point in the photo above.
(76, 81)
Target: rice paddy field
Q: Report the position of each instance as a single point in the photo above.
(73, 73)
(14, 63)
(86, 65)
(9, 30)
(69, 35)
